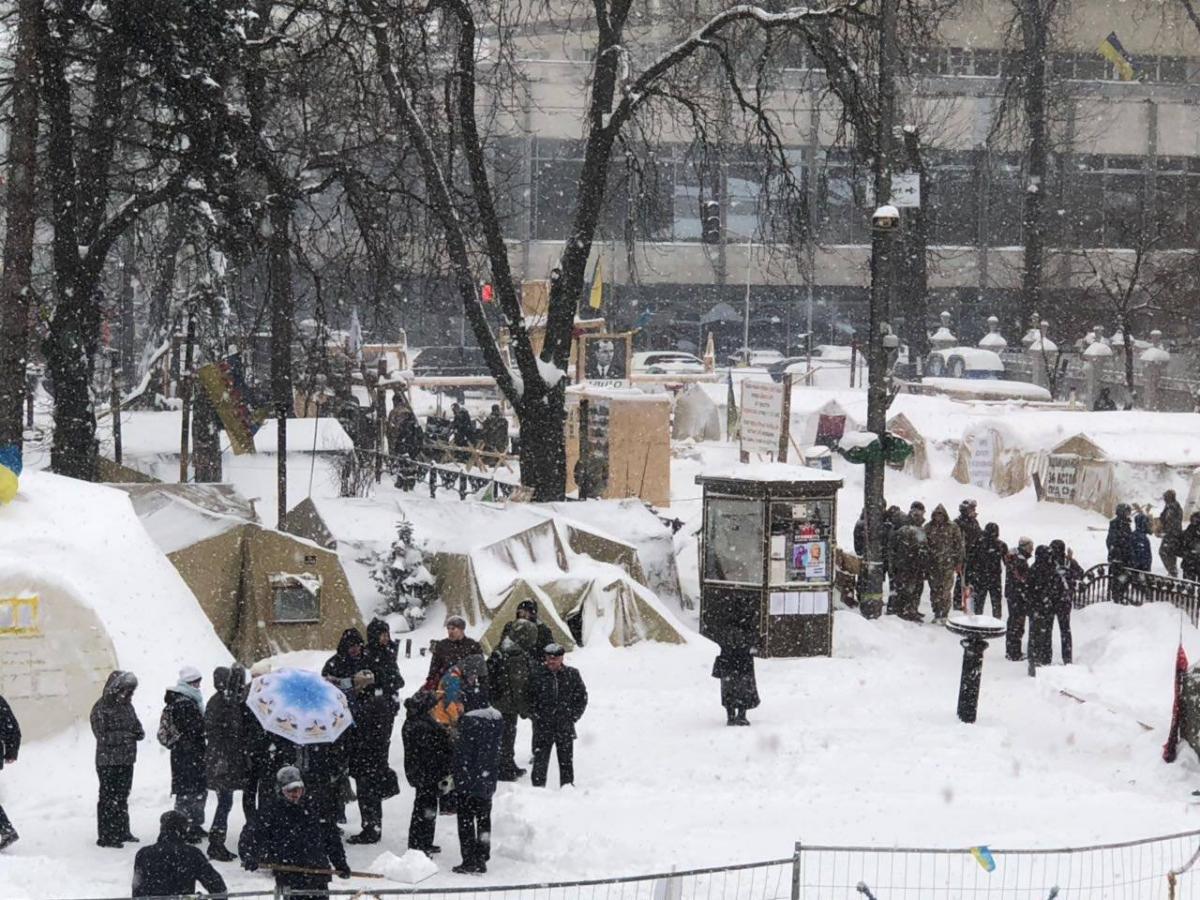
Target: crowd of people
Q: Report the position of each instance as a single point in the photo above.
(459, 735)
(967, 566)
(406, 438)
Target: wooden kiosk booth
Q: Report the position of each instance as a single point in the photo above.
(766, 558)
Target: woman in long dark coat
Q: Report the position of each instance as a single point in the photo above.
(226, 754)
(368, 747)
(735, 667)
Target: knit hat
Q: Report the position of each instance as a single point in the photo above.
(456, 622)
(189, 674)
(262, 667)
(553, 650)
(289, 777)
(527, 606)
(364, 679)
(474, 666)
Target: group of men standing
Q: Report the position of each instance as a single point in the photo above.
(969, 567)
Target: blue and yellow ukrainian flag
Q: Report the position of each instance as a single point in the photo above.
(10, 471)
(1122, 60)
(983, 856)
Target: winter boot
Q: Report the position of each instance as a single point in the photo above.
(369, 835)
(730, 715)
(8, 838)
(216, 847)
(195, 835)
(741, 718)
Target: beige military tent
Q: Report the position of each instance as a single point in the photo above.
(989, 457)
(264, 591)
(916, 465)
(1078, 471)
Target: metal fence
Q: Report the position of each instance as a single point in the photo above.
(1147, 869)
(1107, 583)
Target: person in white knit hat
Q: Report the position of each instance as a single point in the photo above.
(181, 730)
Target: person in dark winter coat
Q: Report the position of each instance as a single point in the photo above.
(1016, 592)
(1045, 588)
(972, 534)
(909, 555)
(1120, 552)
(171, 867)
(226, 762)
(1069, 572)
(287, 831)
(528, 610)
(1104, 402)
(945, 548)
(1189, 548)
(10, 746)
(380, 657)
(117, 730)
(985, 570)
(495, 431)
(325, 768)
(340, 667)
(1142, 558)
(1171, 522)
(428, 753)
(734, 666)
(557, 700)
(452, 649)
(509, 669)
(474, 769)
(184, 707)
(462, 427)
(369, 741)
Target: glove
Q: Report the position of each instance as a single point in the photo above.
(343, 872)
(249, 865)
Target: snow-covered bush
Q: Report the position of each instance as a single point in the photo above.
(407, 585)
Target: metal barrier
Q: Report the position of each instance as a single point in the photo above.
(1105, 583)
(1147, 869)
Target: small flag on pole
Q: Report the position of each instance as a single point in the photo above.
(1122, 60)
(1171, 747)
(487, 294)
(596, 297)
(983, 856)
(732, 420)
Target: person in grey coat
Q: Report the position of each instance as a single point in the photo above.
(117, 730)
(226, 756)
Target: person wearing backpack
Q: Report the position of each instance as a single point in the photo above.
(508, 673)
(181, 730)
(117, 730)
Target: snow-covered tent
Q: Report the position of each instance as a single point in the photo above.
(917, 465)
(1093, 474)
(807, 420)
(81, 587)
(696, 416)
(989, 457)
(264, 591)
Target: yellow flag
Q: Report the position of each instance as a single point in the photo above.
(597, 295)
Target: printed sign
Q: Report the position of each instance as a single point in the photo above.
(1062, 473)
(982, 449)
(762, 416)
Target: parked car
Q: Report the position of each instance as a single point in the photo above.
(450, 361)
(757, 358)
(964, 362)
(666, 362)
(824, 355)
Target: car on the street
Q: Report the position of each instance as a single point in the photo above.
(757, 358)
(666, 362)
(964, 362)
(823, 355)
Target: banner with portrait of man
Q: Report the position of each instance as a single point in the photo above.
(604, 359)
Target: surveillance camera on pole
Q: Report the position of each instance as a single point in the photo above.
(885, 219)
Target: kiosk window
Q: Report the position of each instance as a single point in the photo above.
(801, 542)
(733, 541)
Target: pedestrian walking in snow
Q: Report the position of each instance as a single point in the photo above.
(557, 700)
(1016, 592)
(985, 570)
(226, 757)
(326, 771)
(288, 832)
(1120, 552)
(509, 669)
(181, 729)
(451, 650)
(972, 534)
(1104, 402)
(734, 665)
(428, 752)
(909, 564)
(10, 746)
(368, 745)
(1189, 547)
(1044, 589)
(1170, 521)
(171, 867)
(946, 554)
(117, 730)
(475, 767)
(1069, 572)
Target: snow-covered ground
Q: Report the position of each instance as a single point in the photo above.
(862, 748)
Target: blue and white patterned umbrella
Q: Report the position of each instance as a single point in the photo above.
(300, 706)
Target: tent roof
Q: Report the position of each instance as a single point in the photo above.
(324, 435)
(177, 516)
(145, 433)
(1080, 445)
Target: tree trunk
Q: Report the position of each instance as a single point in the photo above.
(279, 251)
(70, 359)
(206, 440)
(1129, 351)
(15, 282)
(544, 446)
(1034, 37)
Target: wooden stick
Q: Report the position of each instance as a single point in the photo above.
(305, 870)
